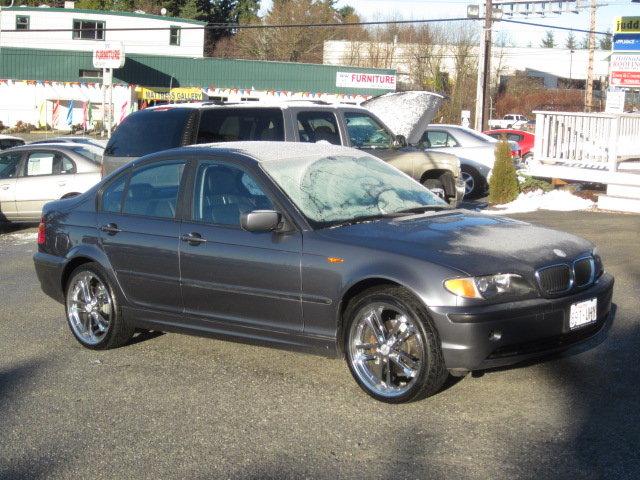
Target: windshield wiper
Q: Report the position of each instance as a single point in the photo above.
(360, 219)
(424, 208)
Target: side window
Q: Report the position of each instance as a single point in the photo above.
(148, 131)
(9, 164)
(39, 163)
(438, 139)
(112, 196)
(223, 192)
(228, 125)
(514, 137)
(365, 132)
(318, 126)
(153, 191)
(63, 165)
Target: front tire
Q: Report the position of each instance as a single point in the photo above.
(92, 311)
(474, 184)
(392, 348)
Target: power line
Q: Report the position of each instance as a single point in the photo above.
(235, 26)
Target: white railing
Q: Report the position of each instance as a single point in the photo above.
(599, 140)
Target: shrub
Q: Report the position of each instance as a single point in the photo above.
(503, 186)
(530, 184)
(22, 127)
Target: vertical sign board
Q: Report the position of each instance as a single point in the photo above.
(615, 102)
(108, 56)
(624, 70)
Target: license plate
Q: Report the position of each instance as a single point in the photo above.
(582, 313)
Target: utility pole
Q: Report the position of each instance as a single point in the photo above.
(588, 103)
(486, 80)
(477, 120)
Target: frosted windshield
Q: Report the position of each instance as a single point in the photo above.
(337, 189)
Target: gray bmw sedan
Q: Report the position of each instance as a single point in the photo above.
(318, 248)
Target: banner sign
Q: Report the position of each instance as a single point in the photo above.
(109, 55)
(625, 79)
(626, 42)
(627, 25)
(365, 80)
(178, 94)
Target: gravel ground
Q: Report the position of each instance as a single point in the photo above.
(174, 406)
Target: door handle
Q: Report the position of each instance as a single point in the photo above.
(4, 187)
(193, 238)
(62, 184)
(110, 228)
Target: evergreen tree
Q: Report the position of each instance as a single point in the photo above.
(503, 185)
(189, 10)
(605, 41)
(572, 43)
(247, 10)
(548, 41)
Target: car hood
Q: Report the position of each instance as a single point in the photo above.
(473, 243)
(406, 113)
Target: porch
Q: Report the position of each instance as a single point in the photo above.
(591, 147)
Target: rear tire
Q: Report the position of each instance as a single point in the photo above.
(392, 347)
(93, 314)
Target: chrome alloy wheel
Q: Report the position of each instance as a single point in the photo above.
(469, 182)
(386, 349)
(89, 308)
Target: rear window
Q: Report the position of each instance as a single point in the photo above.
(149, 131)
(10, 142)
(228, 125)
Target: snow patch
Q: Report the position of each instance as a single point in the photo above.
(559, 200)
(20, 238)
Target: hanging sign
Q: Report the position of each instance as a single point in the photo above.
(109, 55)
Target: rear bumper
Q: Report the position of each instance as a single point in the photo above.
(49, 270)
(475, 338)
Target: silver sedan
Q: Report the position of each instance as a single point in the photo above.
(32, 175)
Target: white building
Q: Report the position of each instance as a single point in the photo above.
(550, 64)
(78, 29)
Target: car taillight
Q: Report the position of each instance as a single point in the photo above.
(42, 232)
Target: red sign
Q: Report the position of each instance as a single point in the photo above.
(625, 79)
(109, 55)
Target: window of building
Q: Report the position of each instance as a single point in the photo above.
(84, 73)
(174, 36)
(88, 30)
(22, 22)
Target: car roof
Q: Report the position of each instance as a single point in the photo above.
(275, 103)
(278, 151)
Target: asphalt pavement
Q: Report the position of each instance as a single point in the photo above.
(175, 406)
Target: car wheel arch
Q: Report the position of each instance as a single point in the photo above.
(78, 257)
(353, 291)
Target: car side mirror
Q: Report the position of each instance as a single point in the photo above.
(260, 221)
(400, 141)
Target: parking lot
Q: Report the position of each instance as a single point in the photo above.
(174, 406)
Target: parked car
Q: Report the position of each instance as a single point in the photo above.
(7, 141)
(319, 248)
(32, 175)
(511, 120)
(475, 150)
(525, 140)
(94, 145)
(160, 128)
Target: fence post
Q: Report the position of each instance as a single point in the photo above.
(613, 143)
(537, 145)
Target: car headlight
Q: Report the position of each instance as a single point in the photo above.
(489, 286)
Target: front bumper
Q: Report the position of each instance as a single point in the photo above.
(481, 337)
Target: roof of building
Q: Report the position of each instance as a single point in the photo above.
(103, 12)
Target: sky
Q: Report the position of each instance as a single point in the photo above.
(518, 35)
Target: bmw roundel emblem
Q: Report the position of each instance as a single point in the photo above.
(559, 252)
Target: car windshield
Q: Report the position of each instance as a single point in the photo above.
(333, 190)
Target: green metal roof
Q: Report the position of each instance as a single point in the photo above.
(103, 12)
(164, 71)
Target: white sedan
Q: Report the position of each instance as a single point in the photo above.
(33, 175)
